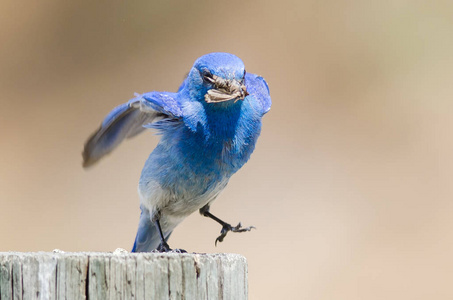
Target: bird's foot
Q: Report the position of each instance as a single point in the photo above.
(228, 227)
(165, 248)
(179, 251)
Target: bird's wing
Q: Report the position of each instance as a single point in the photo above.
(128, 120)
(257, 86)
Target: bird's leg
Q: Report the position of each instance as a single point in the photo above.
(163, 246)
(225, 226)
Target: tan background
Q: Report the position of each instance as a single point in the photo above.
(350, 186)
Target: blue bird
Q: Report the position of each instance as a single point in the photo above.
(208, 130)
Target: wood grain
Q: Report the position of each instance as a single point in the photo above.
(122, 275)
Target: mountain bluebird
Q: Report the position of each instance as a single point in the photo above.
(208, 130)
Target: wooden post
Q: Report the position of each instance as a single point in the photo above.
(59, 275)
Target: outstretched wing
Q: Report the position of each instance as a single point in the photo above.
(128, 120)
(257, 86)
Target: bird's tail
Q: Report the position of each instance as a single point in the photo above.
(148, 237)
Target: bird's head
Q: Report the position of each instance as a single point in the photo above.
(217, 77)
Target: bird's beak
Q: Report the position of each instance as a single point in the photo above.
(225, 90)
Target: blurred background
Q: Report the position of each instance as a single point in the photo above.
(350, 185)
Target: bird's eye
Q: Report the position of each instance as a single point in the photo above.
(207, 76)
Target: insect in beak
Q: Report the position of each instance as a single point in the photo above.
(225, 90)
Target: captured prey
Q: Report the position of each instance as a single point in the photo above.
(208, 130)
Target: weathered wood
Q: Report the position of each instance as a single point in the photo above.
(121, 275)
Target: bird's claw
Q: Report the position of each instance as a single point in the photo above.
(228, 227)
(165, 248)
(179, 251)
(238, 228)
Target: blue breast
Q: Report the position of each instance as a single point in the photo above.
(212, 143)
